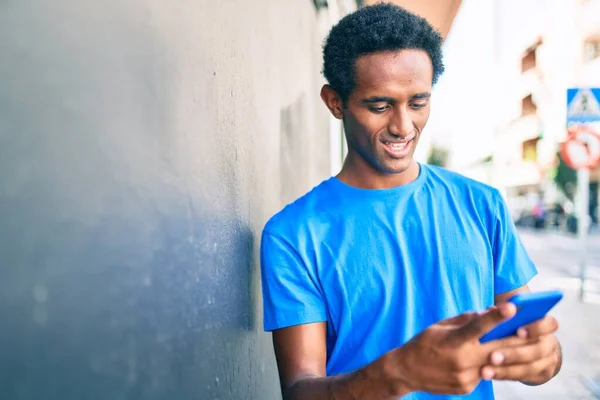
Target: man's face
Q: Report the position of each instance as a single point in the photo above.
(388, 108)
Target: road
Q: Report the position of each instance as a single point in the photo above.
(557, 259)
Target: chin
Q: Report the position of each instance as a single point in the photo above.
(397, 166)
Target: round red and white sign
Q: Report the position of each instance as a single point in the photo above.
(582, 147)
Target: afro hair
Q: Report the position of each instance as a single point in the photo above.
(371, 29)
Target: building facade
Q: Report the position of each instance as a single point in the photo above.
(542, 48)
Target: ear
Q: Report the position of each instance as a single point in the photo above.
(333, 101)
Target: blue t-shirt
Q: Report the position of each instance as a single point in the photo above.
(381, 265)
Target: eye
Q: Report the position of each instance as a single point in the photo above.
(379, 110)
(417, 106)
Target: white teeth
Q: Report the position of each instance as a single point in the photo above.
(397, 146)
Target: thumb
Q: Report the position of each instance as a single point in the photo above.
(486, 321)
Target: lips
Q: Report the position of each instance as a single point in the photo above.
(398, 149)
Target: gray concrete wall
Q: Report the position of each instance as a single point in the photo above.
(143, 144)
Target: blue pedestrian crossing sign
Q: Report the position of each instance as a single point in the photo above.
(583, 105)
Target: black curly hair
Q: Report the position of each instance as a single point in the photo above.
(371, 29)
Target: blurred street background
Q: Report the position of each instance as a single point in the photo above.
(500, 117)
(500, 111)
(556, 256)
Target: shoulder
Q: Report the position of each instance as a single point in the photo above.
(299, 215)
(463, 187)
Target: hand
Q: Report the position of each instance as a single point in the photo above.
(447, 357)
(533, 357)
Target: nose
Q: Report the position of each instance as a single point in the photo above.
(401, 123)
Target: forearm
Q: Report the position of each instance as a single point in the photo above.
(367, 383)
(337, 387)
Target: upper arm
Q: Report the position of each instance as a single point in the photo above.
(503, 297)
(301, 352)
(294, 310)
(513, 268)
(290, 286)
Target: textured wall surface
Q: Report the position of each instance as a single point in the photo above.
(143, 145)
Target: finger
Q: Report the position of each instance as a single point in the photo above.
(542, 348)
(517, 372)
(539, 328)
(459, 319)
(518, 355)
(508, 342)
(486, 321)
(464, 381)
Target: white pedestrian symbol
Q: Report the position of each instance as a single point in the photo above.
(584, 104)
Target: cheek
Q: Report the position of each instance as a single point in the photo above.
(366, 126)
(422, 118)
(419, 123)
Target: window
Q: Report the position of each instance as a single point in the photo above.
(528, 107)
(592, 49)
(320, 4)
(529, 59)
(530, 150)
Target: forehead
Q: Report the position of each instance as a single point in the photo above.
(391, 70)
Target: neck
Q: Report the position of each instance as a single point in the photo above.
(360, 174)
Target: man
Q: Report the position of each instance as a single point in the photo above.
(376, 282)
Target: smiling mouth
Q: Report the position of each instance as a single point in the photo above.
(396, 145)
(398, 149)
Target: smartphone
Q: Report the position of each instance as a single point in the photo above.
(530, 308)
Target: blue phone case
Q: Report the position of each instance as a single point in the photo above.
(530, 306)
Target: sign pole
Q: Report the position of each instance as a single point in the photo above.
(581, 151)
(583, 186)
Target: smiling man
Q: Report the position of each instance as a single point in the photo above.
(371, 280)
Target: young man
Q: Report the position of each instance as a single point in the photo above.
(376, 282)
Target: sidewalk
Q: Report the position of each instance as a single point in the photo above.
(580, 338)
(579, 322)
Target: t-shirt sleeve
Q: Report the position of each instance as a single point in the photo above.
(291, 295)
(513, 267)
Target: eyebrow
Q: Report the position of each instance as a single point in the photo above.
(424, 95)
(378, 99)
(385, 99)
